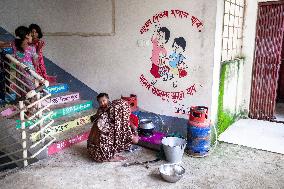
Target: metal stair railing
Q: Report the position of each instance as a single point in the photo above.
(29, 88)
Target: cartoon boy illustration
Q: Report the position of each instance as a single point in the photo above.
(176, 59)
(160, 37)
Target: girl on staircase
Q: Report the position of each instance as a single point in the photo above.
(38, 43)
(25, 53)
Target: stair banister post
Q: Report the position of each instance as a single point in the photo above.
(24, 135)
(38, 107)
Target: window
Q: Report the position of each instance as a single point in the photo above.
(232, 29)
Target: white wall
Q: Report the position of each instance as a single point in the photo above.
(217, 59)
(60, 16)
(114, 63)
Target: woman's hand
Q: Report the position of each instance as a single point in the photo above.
(135, 132)
(133, 129)
(36, 64)
(40, 44)
(135, 139)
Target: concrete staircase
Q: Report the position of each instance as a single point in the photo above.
(71, 113)
(72, 121)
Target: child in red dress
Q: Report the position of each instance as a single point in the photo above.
(38, 43)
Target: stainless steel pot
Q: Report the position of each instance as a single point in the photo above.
(146, 127)
(146, 124)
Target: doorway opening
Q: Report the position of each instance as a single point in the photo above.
(280, 91)
(267, 91)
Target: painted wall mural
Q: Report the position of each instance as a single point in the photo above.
(169, 64)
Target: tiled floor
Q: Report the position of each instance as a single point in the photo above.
(280, 112)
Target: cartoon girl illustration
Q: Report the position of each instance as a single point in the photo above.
(160, 37)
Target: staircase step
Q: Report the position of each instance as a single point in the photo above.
(62, 110)
(71, 108)
(74, 116)
(58, 88)
(60, 126)
(62, 98)
(69, 138)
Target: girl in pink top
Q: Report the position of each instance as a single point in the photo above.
(159, 52)
(38, 44)
(25, 53)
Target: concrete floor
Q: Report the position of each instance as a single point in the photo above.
(230, 166)
(279, 112)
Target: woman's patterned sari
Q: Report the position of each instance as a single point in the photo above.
(111, 132)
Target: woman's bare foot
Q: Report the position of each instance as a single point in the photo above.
(117, 158)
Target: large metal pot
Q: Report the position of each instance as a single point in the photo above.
(146, 127)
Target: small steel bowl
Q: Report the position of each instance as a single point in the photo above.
(171, 172)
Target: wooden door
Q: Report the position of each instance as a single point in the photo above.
(267, 59)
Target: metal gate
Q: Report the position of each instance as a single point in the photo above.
(267, 59)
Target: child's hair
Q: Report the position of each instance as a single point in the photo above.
(167, 33)
(180, 41)
(37, 28)
(21, 32)
(102, 95)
